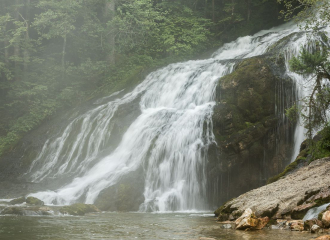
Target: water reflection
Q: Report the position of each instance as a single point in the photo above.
(130, 226)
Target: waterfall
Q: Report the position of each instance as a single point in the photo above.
(169, 138)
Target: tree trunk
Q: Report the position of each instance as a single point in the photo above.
(5, 45)
(63, 56)
(26, 53)
(110, 8)
(16, 46)
(5, 40)
(248, 9)
(213, 17)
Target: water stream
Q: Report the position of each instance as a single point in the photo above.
(170, 137)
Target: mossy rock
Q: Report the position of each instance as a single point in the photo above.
(246, 97)
(17, 201)
(126, 195)
(12, 211)
(34, 201)
(78, 209)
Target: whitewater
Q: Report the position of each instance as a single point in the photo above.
(170, 137)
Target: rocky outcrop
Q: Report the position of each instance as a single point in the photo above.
(254, 140)
(295, 193)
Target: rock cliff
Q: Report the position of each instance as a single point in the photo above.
(253, 137)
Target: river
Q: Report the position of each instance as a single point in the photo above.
(115, 225)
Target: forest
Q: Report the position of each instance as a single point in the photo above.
(56, 54)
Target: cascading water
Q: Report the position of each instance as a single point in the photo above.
(170, 137)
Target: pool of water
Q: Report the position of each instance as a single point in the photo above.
(109, 225)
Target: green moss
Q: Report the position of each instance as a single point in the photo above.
(34, 201)
(322, 201)
(300, 214)
(225, 209)
(321, 148)
(288, 169)
(17, 201)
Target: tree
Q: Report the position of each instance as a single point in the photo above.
(57, 20)
(311, 14)
(315, 106)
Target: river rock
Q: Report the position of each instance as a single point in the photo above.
(79, 209)
(315, 228)
(248, 220)
(326, 218)
(286, 193)
(325, 237)
(17, 201)
(12, 211)
(308, 224)
(34, 201)
(296, 225)
(262, 223)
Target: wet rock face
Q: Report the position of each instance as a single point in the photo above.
(126, 195)
(254, 140)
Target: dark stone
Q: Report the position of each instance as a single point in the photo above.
(300, 211)
(254, 142)
(126, 195)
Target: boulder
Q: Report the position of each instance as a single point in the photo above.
(315, 228)
(17, 201)
(248, 220)
(78, 209)
(308, 224)
(262, 223)
(34, 201)
(12, 211)
(296, 225)
(247, 130)
(326, 219)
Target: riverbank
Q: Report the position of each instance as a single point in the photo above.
(286, 200)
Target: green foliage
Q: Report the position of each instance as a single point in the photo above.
(317, 67)
(56, 54)
(321, 148)
(292, 113)
(314, 13)
(310, 63)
